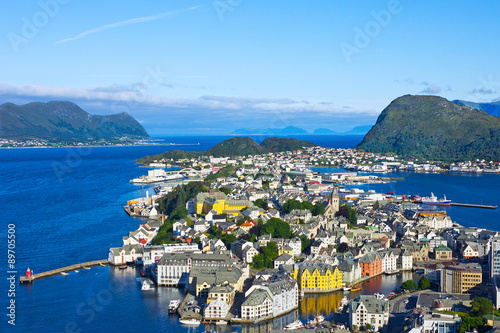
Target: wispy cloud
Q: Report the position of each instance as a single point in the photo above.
(109, 75)
(482, 91)
(125, 23)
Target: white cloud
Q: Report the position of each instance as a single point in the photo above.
(133, 96)
(124, 23)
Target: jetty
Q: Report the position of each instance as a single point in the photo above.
(472, 205)
(25, 279)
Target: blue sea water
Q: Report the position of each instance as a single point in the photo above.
(66, 205)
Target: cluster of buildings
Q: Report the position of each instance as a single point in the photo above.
(385, 237)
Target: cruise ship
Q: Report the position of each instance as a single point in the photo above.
(157, 175)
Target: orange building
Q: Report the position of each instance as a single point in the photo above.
(371, 264)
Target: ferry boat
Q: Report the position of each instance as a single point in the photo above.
(295, 325)
(173, 305)
(192, 322)
(433, 200)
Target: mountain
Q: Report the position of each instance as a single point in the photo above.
(290, 130)
(235, 146)
(62, 120)
(432, 127)
(491, 108)
(360, 130)
(325, 131)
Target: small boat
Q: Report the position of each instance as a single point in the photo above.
(295, 325)
(192, 322)
(346, 288)
(396, 271)
(101, 264)
(221, 322)
(86, 267)
(123, 267)
(64, 274)
(355, 289)
(76, 271)
(146, 285)
(173, 305)
(316, 320)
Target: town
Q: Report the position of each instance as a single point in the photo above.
(247, 237)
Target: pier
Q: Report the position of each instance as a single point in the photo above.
(25, 279)
(472, 205)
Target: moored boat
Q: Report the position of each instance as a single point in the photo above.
(355, 289)
(173, 305)
(433, 200)
(64, 274)
(295, 325)
(191, 321)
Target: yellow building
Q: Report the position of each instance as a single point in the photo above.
(218, 201)
(320, 278)
(285, 249)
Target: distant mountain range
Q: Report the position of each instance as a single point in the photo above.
(292, 130)
(235, 146)
(432, 127)
(62, 120)
(491, 108)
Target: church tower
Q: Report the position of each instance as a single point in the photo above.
(335, 200)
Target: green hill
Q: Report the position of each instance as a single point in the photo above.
(61, 120)
(432, 127)
(236, 146)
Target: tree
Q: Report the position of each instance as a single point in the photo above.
(409, 285)
(481, 306)
(368, 327)
(305, 242)
(277, 228)
(197, 239)
(226, 191)
(424, 283)
(343, 247)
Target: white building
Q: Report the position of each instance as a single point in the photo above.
(368, 309)
(125, 254)
(389, 262)
(217, 309)
(282, 292)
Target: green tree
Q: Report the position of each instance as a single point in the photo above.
(277, 228)
(343, 247)
(481, 306)
(305, 242)
(409, 285)
(424, 283)
(226, 191)
(197, 240)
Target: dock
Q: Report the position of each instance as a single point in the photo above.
(25, 279)
(472, 205)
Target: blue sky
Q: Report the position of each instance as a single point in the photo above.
(214, 66)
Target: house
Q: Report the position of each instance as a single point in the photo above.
(442, 253)
(125, 254)
(247, 225)
(317, 245)
(257, 305)
(371, 264)
(368, 309)
(469, 252)
(388, 261)
(216, 310)
(249, 252)
(218, 201)
(317, 277)
(284, 259)
(221, 292)
(281, 291)
(351, 271)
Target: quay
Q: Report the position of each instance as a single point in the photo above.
(472, 205)
(25, 279)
